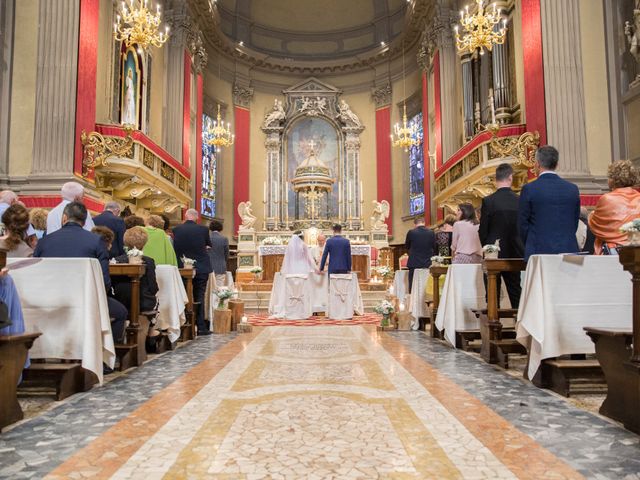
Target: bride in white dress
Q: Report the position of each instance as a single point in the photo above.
(297, 258)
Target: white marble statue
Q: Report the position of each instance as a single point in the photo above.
(380, 213)
(129, 107)
(346, 116)
(276, 116)
(632, 32)
(321, 105)
(248, 218)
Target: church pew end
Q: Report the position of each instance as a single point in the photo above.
(467, 340)
(570, 377)
(506, 347)
(13, 354)
(126, 354)
(66, 378)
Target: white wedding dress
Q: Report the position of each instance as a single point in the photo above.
(297, 258)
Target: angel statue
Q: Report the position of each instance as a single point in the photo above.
(346, 116)
(632, 32)
(248, 218)
(276, 116)
(380, 214)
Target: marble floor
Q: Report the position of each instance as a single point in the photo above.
(318, 402)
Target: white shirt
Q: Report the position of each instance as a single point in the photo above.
(54, 219)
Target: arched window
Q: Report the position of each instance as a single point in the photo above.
(416, 169)
(209, 171)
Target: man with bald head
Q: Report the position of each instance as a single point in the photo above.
(7, 198)
(192, 241)
(70, 192)
(110, 218)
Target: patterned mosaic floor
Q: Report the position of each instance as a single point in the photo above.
(267, 321)
(321, 402)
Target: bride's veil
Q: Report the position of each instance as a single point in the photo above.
(297, 258)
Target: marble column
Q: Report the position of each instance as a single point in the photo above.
(7, 12)
(56, 78)
(564, 87)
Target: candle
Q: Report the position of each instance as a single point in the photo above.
(361, 192)
(264, 192)
(401, 306)
(493, 108)
(391, 289)
(243, 319)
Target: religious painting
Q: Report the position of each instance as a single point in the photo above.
(322, 136)
(130, 88)
(209, 171)
(416, 168)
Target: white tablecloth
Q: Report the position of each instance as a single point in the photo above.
(463, 291)
(211, 299)
(563, 294)
(416, 301)
(319, 301)
(65, 299)
(172, 297)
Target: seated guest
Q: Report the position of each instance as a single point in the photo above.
(9, 296)
(38, 218)
(465, 242)
(589, 244)
(444, 235)
(71, 241)
(110, 218)
(131, 221)
(70, 192)
(158, 245)
(614, 209)
(137, 237)
(16, 223)
(106, 235)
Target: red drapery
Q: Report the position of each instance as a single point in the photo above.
(383, 158)
(241, 170)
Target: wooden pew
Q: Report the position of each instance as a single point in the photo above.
(133, 352)
(188, 330)
(13, 354)
(495, 346)
(618, 351)
(436, 272)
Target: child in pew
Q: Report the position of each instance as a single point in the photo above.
(136, 237)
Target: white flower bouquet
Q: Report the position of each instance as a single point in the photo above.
(272, 241)
(491, 250)
(188, 262)
(256, 270)
(632, 226)
(385, 308)
(384, 271)
(437, 260)
(135, 255)
(224, 294)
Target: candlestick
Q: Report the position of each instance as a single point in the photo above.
(493, 108)
(243, 319)
(402, 306)
(264, 192)
(391, 289)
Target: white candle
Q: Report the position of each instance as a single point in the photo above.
(402, 307)
(493, 108)
(361, 192)
(243, 320)
(391, 289)
(264, 192)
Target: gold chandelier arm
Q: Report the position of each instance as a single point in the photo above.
(97, 149)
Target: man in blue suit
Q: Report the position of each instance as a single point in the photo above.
(549, 209)
(338, 249)
(110, 218)
(192, 241)
(72, 241)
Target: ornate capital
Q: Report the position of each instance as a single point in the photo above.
(382, 96)
(437, 34)
(195, 44)
(242, 95)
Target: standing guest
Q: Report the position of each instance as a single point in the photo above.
(131, 221)
(191, 241)
(549, 209)
(167, 227)
(158, 245)
(421, 246)
(16, 223)
(444, 236)
(72, 241)
(110, 218)
(614, 209)
(38, 218)
(219, 253)
(7, 198)
(106, 235)
(465, 243)
(71, 192)
(137, 237)
(499, 221)
(590, 238)
(338, 249)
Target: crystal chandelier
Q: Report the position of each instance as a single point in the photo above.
(221, 136)
(136, 24)
(404, 135)
(479, 30)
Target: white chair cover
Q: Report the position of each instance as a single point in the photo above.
(298, 297)
(340, 297)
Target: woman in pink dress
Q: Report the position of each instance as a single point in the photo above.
(465, 242)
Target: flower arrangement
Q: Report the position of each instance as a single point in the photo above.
(632, 226)
(135, 255)
(437, 260)
(272, 241)
(256, 270)
(224, 294)
(491, 249)
(188, 262)
(384, 271)
(386, 309)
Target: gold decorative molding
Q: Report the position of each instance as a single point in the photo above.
(97, 149)
(523, 148)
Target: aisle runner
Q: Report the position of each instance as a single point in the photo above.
(267, 321)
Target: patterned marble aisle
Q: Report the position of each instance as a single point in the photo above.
(340, 402)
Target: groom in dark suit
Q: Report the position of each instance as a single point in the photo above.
(338, 249)
(549, 209)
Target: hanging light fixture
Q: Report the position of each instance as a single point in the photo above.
(479, 30)
(404, 135)
(220, 136)
(137, 24)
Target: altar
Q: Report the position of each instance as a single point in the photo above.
(271, 257)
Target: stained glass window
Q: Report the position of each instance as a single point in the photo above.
(416, 170)
(209, 171)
